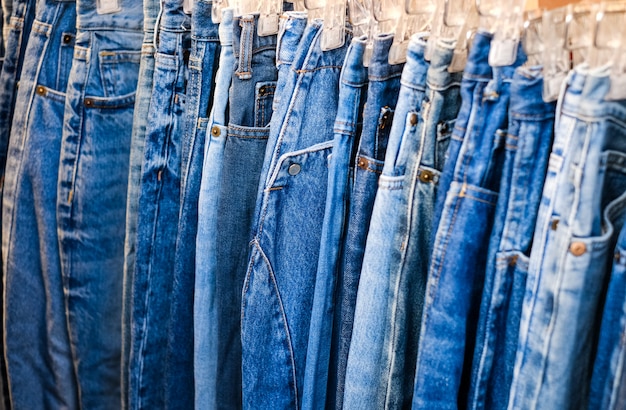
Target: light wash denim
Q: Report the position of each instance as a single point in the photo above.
(369, 358)
(554, 365)
(137, 143)
(458, 261)
(203, 61)
(366, 166)
(159, 207)
(348, 123)
(38, 351)
(279, 283)
(205, 314)
(528, 143)
(91, 192)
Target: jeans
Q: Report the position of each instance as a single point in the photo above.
(368, 359)
(38, 343)
(91, 192)
(528, 144)
(159, 206)
(203, 61)
(137, 144)
(366, 166)
(205, 315)
(348, 123)
(458, 261)
(279, 282)
(554, 365)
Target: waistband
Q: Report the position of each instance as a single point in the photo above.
(526, 95)
(379, 68)
(477, 66)
(354, 72)
(225, 28)
(315, 57)
(245, 36)
(438, 76)
(172, 17)
(292, 25)
(202, 26)
(416, 66)
(47, 14)
(129, 16)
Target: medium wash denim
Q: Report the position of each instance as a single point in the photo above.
(608, 386)
(279, 283)
(37, 342)
(205, 314)
(91, 192)
(137, 143)
(203, 61)
(527, 148)
(159, 205)
(554, 365)
(366, 166)
(367, 371)
(348, 124)
(458, 262)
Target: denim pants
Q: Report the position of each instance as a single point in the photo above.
(205, 315)
(348, 124)
(35, 322)
(458, 261)
(137, 143)
(203, 61)
(159, 206)
(368, 359)
(527, 147)
(366, 166)
(91, 192)
(279, 283)
(608, 387)
(554, 365)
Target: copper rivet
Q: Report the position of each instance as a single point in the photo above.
(88, 102)
(554, 224)
(262, 90)
(67, 39)
(215, 131)
(577, 248)
(426, 176)
(41, 90)
(413, 119)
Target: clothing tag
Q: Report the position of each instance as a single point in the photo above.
(503, 52)
(108, 6)
(268, 25)
(187, 6)
(552, 86)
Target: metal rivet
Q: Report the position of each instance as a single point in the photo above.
(363, 163)
(262, 90)
(215, 131)
(67, 39)
(294, 169)
(413, 119)
(554, 224)
(617, 257)
(426, 176)
(577, 248)
(41, 90)
(88, 102)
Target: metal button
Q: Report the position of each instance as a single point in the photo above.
(215, 131)
(88, 102)
(577, 248)
(41, 90)
(294, 169)
(413, 119)
(67, 39)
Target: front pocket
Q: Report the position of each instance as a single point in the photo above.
(263, 100)
(119, 71)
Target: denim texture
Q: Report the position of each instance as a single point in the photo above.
(528, 143)
(458, 262)
(279, 283)
(137, 143)
(159, 207)
(366, 165)
(608, 387)
(369, 359)
(37, 342)
(588, 213)
(203, 61)
(205, 315)
(91, 192)
(348, 124)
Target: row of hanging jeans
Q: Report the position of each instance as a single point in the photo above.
(195, 215)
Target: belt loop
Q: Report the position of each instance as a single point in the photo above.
(244, 69)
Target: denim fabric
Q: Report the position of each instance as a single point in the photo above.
(137, 143)
(159, 204)
(590, 209)
(37, 342)
(528, 144)
(203, 61)
(369, 359)
(279, 283)
(457, 268)
(348, 124)
(608, 385)
(205, 315)
(91, 192)
(16, 37)
(366, 166)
